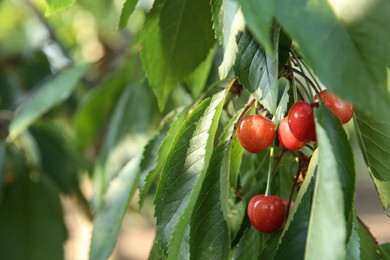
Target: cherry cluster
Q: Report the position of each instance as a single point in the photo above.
(257, 133)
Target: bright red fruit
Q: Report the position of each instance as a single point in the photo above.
(340, 108)
(301, 121)
(256, 133)
(267, 213)
(286, 138)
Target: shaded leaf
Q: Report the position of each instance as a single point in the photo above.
(108, 218)
(258, 16)
(250, 245)
(46, 97)
(385, 251)
(368, 245)
(353, 247)
(257, 71)
(184, 171)
(374, 140)
(54, 6)
(127, 9)
(31, 222)
(338, 39)
(2, 167)
(172, 28)
(292, 242)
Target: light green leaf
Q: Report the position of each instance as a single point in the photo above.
(342, 46)
(233, 23)
(31, 221)
(127, 9)
(330, 214)
(209, 235)
(156, 152)
(292, 242)
(54, 6)
(374, 140)
(217, 18)
(257, 71)
(258, 16)
(353, 247)
(108, 218)
(46, 97)
(176, 38)
(126, 136)
(184, 171)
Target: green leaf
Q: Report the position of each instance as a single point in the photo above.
(184, 171)
(197, 80)
(258, 16)
(172, 28)
(108, 218)
(330, 214)
(292, 242)
(368, 246)
(127, 9)
(374, 140)
(217, 19)
(31, 221)
(126, 136)
(343, 42)
(385, 251)
(283, 102)
(257, 71)
(46, 97)
(98, 103)
(283, 49)
(3, 155)
(232, 23)
(54, 6)
(250, 245)
(353, 247)
(156, 152)
(209, 235)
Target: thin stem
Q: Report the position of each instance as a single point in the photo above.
(316, 89)
(303, 87)
(299, 64)
(278, 162)
(292, 81)
(269, 176)
(310, 72)
(292, 192)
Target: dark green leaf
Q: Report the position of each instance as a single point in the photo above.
(49, 95)
(209, 235)
(374, 140)
(257, 71)
(108, 218)
(283, 49)
(217, 18)
(156, 152)
(54, 6)
(385, 251)
(258, 16)
(341, 41)
(127, 9)
(331, 216)
(353, 247)
(176, 38)
(2, 167)
(283, 102)
(293, 239)
(184, 171)
(128, 132)
(250, 245)
(31, 222)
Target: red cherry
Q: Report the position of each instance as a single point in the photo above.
(267, 213)
(256, 133)
(301, 122)
(340, 108)
(286, 138)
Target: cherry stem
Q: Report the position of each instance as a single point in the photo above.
(316, 89)
(308, 69)
(301, 83)
(269, 176)
(278, 162)
(292, 192)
